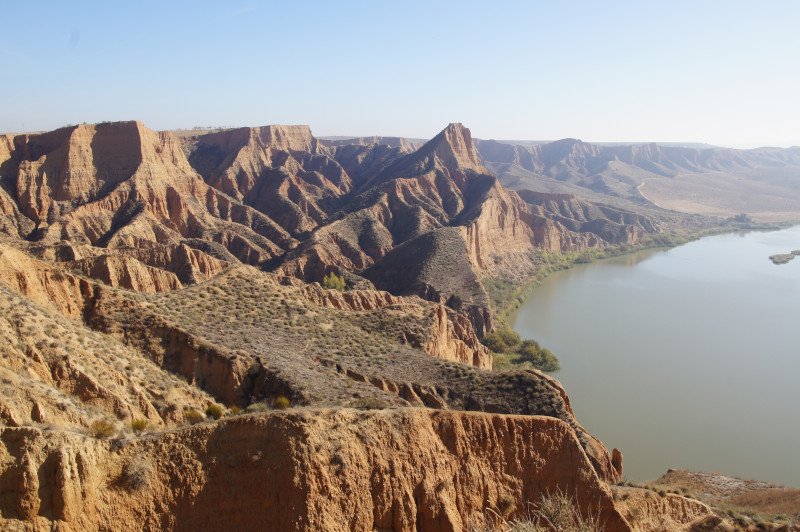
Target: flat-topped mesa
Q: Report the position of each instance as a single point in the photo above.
(292, 138)
(405, 144)
(74, 164)
(286, 137)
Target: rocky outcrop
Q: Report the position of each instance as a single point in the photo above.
(127, 272)
(189, 264)
(352, 299)
(453, 338)
(423, 213)
(123, 185)
(450, 336)
(43, 284)
(333, 470)
(282, 171)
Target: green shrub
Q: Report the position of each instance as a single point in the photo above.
(192, 416)
(547, 361)
(333, 282)
(281, 403)
(502, 340)
(139, 425)
(103, 428)
(529, 350)
(214, 411)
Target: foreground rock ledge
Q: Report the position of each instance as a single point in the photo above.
(309, 469)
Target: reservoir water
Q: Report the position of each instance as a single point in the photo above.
(683, 358)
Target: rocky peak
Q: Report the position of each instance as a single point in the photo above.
(454, 147)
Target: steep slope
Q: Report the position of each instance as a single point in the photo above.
(120, 185)
(279, 170)
(408, 469)
(57, 372)
(439, 187)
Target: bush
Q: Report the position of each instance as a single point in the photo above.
(192, 416)
(547, 361)
(234, 410)
(529, 350)
(369, 403)
(256, 407)
(552, 512)
(506, 343)
(139, 425)
(136, 474)
(333, 282)
(103, 428)
(502, 340)
(214, 411)
(281, 403)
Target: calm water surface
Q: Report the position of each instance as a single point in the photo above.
(686, 358)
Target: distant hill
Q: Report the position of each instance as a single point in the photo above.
(763, 182)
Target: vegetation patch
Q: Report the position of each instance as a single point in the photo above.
(511, 350)
(334, 282)
(102, 429)
(139, 425)
(281, 403)
(214, 411)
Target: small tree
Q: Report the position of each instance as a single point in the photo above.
(549, 361)
(529, 350)
(334, 282)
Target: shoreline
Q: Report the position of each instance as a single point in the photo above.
(519, 293)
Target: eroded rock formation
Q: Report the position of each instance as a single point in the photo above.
(342, 470)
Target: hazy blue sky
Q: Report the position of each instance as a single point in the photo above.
(723, 71)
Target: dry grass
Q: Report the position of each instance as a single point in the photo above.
(102, 429)
(136, 473)
(746, 503)
(95, 374)
(556, 511)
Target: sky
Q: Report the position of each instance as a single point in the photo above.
(725, 72)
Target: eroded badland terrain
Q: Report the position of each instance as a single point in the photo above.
(161, 307)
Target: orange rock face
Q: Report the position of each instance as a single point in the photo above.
(311, 470)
